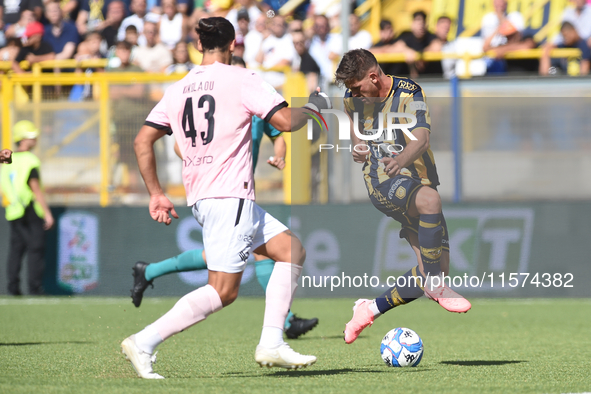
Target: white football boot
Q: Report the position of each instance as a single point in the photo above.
(141, 361)
(282, 356)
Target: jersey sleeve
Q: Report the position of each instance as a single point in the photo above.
(416, 104)
(158, 117)
(260, 98)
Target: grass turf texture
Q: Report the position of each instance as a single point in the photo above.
(56, 345)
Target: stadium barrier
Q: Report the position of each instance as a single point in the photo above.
(497, 250)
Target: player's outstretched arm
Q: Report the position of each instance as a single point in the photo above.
(292, 119)
(160, 205)
(6, 156)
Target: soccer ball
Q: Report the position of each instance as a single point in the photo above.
(402, 347)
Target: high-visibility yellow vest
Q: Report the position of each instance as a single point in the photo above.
(14, 180)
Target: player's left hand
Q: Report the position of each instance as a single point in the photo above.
(160, 207)
(391, 166)
(278, 162)
(6, 156)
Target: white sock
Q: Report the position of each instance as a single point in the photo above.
(280, 290)
(373, 307)
(147, 339)
(271, 337)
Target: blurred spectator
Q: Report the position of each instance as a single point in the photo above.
(441, 44)
(277, 51)
(253, 41)
(127, 110)
(180, 58)
(93, 16)
(61, 35)
(295, 25)
(18, 29)
(320, 47)
(11, 50)
(580, 17)
(138, 7)
(173, 26)
(304, 63)
(194, 55)
(250, 6)
(499, 29)
(131, 36)
(154, 56)
(12, 10)
(70, 9)
(34, 49)
(411, 43)
(418, 38)
(570, 39)
(110, 27)
(358, 39)
(123, 52)
(243, 25)
(389, 43)
(90, 48)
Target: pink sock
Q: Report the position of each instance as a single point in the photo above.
(280, 290)
(189, 310)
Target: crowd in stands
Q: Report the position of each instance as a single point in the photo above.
(159, 37)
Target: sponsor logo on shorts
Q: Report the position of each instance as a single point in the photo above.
(244, 255)
(245, 238)
(393, 189)
(401, 193)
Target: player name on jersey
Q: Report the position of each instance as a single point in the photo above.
(196, 87)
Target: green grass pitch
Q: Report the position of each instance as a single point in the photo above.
(59, 345)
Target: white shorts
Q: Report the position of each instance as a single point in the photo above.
(232, 229)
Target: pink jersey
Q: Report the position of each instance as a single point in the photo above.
(209, 112)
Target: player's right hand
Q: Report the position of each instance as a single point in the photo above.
(161, 208)
(360, 157)
(318, 100)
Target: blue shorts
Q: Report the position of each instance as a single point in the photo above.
(393, 197)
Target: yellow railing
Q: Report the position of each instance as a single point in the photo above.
(567, 53)
(34, 86)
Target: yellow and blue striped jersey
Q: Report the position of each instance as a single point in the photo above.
(405, 96)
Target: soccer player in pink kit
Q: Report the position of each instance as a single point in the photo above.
(209, 114)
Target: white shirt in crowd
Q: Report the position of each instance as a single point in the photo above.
(253, 14)
(252, 45)
(361, 40)
(319, 51)
(490, 23)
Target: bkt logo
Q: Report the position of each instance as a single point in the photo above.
(378, 135)
(481, 241)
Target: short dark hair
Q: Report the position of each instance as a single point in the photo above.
(132, 28)
(354, 66)
(567, 25)
(421, 14)
(123, 45)
(385, 23)
(243, 14)
(444, 17)
(237, 60)
(215, 33)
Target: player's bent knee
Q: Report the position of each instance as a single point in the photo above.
(428, 201)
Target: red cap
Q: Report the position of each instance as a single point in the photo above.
(34, 28)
